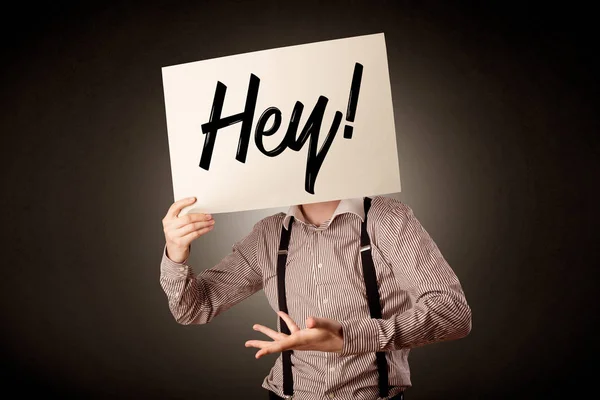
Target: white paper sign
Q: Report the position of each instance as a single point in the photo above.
(292, 125)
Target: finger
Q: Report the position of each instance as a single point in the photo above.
(289, 343)
(267, 350)
(192, 218)
(196, 234)
(323, 323)
(269, 332)
(290, 322)
(259, 344)
(176, 207)
(263, 352)
(195, 226)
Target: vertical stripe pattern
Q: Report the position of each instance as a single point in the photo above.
(421, 297)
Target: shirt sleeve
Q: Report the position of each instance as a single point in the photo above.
(439, 311)
(198, 299)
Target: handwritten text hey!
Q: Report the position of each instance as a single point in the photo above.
(310, 131)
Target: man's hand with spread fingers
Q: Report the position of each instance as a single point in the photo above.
(321, 334)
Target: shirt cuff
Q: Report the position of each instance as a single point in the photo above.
(172, 269)
(360, 336)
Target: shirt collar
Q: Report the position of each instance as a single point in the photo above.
(354, 206)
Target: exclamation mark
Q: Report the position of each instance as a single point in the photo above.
(353, 99)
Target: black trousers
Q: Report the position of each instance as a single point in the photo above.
(273, 396)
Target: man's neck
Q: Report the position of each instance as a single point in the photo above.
(317, 213)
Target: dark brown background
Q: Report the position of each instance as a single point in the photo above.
(496, 126)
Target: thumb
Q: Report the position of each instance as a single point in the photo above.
(314, 322)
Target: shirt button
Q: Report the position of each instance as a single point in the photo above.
(331, 395)
(325, 301)
(176, 294)
(331, 369)
(320, 265)
(182, 269)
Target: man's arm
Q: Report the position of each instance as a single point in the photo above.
(440, 310)
(198, 299)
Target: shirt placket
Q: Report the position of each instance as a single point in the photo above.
(320, 268)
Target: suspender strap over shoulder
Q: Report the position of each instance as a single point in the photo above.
(373, 296)
(286, 355)
(372, 299)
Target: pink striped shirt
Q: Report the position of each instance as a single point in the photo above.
(422, 299)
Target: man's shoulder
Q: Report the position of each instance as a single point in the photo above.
(382, 206)
(270, 224)
(265, 229)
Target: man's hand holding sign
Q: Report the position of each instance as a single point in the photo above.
(180, 232)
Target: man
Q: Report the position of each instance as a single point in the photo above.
(335, 348)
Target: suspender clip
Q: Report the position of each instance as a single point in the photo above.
(365, 248)
(282, 252)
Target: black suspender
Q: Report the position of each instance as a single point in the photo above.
(288, 380)
(372, 298)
